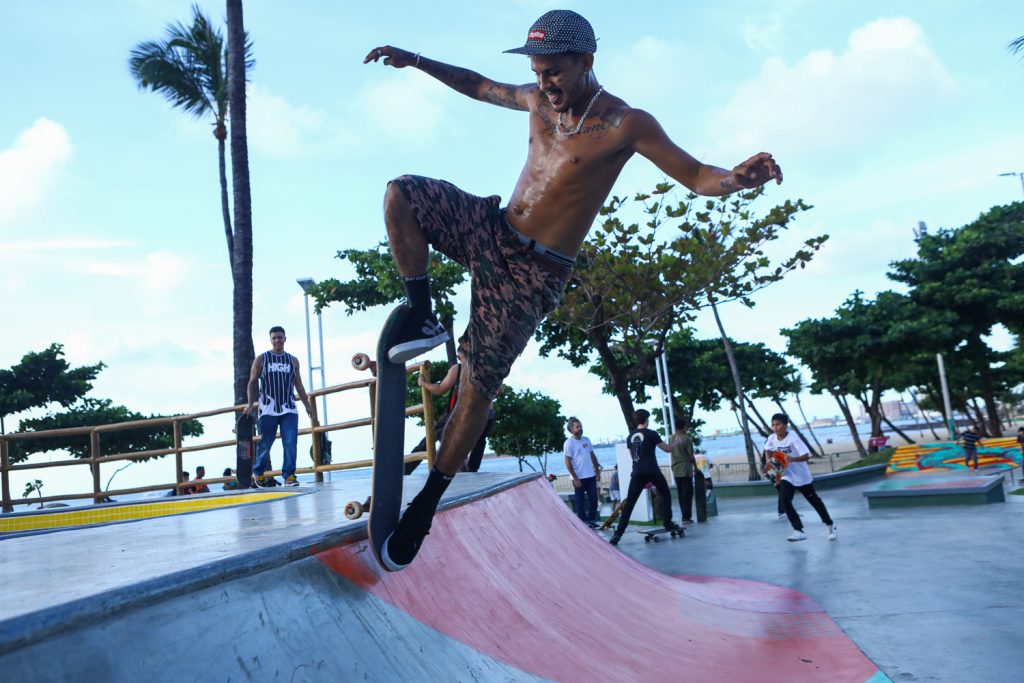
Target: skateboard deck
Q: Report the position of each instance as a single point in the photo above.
(652, 534)
(244, 450)
(389, 437)
(777, 464)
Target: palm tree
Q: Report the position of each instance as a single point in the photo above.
(238, 64)
(740, 398)
(190, 69)
(1017, 45)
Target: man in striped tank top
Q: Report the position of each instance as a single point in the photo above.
(277, 375)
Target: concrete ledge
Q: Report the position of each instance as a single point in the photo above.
(986, 490)
(831, 480)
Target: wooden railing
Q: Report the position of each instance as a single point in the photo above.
(179, 450)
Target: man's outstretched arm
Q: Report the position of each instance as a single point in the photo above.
(469, 83)
(651, 141)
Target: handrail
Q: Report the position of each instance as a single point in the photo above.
(178, 449)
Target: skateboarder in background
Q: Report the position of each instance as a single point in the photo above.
(642, 443)
(796, 477)
(520, 256)
(450, 385)
(969, 441)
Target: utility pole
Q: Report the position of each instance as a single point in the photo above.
(1019, 174)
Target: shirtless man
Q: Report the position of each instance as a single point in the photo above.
(520, 256)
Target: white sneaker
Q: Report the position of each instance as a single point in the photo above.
(782, 515)
(797, 536)
(832, 532)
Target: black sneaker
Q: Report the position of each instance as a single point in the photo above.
(419, 336)
(614, 540)
(259, 481)
(671, 526)
(400, 548)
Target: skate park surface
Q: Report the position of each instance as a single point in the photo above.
(509, 586)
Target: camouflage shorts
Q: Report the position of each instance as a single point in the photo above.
(512, 286)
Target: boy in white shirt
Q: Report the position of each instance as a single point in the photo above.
(796, 477)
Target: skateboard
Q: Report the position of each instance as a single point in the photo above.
(361, 361)
(354, 509)
(777, 464)
(652, 534)
(389, 437)
(244, 450)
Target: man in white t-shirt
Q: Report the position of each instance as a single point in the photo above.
(584, 469)
(796, 477)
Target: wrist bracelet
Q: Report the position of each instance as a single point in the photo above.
(417, 64)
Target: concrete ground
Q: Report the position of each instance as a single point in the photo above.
(928, 593)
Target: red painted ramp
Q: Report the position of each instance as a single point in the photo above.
(517, 577)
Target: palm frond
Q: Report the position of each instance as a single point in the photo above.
(189, 67)
(1017, 45)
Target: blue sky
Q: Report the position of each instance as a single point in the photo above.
(882, 114)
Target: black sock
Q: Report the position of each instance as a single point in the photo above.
(417, 289)
(424, 505)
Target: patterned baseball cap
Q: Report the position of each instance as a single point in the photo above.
(558, 31)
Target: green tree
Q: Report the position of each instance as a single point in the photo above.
(527, 424)
(190, 68)
(974, 272)
(632, 286)
(42, 378)
(377, 283)
(238, 63)
(863, 350)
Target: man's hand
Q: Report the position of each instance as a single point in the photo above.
(247, 410)
(756, 171)
(392, 56)
(576, 482)
(422, 382)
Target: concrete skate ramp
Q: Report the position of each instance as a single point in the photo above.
(509, 586)
(518, 578)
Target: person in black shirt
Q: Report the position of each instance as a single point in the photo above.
(642, 443)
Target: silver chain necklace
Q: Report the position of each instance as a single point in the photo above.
(579, 126)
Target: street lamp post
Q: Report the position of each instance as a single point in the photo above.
(1019, 174)
(307, 284)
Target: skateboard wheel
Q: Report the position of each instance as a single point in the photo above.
(647, 539)
(361, 361)
(353, 510)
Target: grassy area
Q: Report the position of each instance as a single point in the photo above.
(879, 458)
(1018, 492)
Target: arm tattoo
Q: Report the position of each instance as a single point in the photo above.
(503, 96)
(461, 80)
(728, 184)
(468, 83)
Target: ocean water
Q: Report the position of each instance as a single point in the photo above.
(716, 447)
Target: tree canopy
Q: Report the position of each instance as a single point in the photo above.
(42, 378)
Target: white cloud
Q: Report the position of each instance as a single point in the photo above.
(764, 36)
(28, 169)
(158, 272)
(886, 79)
(62, 244)
(280, 129)
(403, 109)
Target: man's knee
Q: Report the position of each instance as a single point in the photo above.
(394, 198)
